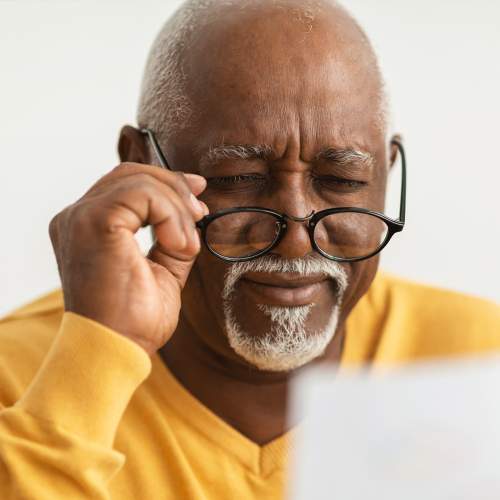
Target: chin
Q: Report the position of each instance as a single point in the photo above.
(287, 342)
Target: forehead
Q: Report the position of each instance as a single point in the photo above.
(268, 74)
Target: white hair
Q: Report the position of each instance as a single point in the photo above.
(164, 103)
(288, 344)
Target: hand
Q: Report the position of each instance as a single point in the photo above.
(104, 275)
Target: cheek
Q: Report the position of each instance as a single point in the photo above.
(202, 295)
(361, 276)
(377, 194)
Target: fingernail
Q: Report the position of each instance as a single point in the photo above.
(196, 204)
(195, 177)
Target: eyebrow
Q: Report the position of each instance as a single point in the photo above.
(346, 156)
(235, 152)
(264, 152)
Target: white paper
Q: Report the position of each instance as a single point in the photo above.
(430, 432)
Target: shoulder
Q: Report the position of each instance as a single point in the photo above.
(422, 320)
(435, 303)
(26, 335)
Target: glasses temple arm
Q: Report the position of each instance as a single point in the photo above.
(402, 207)
(156, 148)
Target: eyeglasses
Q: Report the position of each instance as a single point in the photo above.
(345, 234)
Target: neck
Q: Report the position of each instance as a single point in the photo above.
(251, 401)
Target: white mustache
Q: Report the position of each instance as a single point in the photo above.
(304, 266)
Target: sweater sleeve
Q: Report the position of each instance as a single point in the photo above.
(56, 440)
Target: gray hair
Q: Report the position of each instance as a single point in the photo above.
(164, 103)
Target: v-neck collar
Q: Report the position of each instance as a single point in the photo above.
(261, 460)
(359, 348)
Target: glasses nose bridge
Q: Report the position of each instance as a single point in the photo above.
(300, 219)
(294, 242)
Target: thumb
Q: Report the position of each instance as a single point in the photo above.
(176, 265)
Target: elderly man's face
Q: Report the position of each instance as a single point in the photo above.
(269, 80)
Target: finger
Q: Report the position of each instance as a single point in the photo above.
(205, 207)
(186, 213)
(191, 242)
(189, 211)
(130, 207)
(176, 188)
(195, 183)
(178, 267)
(126, 190)
(187, 203)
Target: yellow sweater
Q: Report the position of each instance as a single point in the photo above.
(85, 413)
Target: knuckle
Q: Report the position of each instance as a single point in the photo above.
(118, 169)
(77, 217)
(89, 219)
(140, 181)
(139, 190)
(180, 184)
(145, 179)
(58, 223)
(109, 221)
(54, 231)
(125, 165)
(53, 227)
(125, 168)
(188, 220)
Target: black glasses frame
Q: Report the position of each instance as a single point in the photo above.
(394, 225)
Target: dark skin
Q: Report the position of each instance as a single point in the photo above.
(298, 89)
(319, 99)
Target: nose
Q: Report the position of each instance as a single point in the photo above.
(296, 242)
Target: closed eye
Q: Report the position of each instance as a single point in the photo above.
(333, 182)
(236, 180)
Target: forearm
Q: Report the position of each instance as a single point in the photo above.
(42, 461)
(56, 441)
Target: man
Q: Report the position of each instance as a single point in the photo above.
(166, 376)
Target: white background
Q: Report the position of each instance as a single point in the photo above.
(69, 79)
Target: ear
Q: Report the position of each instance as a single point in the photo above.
(132, 145)
(394, 150)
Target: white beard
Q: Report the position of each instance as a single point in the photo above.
(288, 345)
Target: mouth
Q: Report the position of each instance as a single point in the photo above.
(284, 289)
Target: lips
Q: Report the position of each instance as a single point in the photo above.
(284, 280)
(284, 289)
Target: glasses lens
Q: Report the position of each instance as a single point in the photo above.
(242, 234)
(350, 235)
